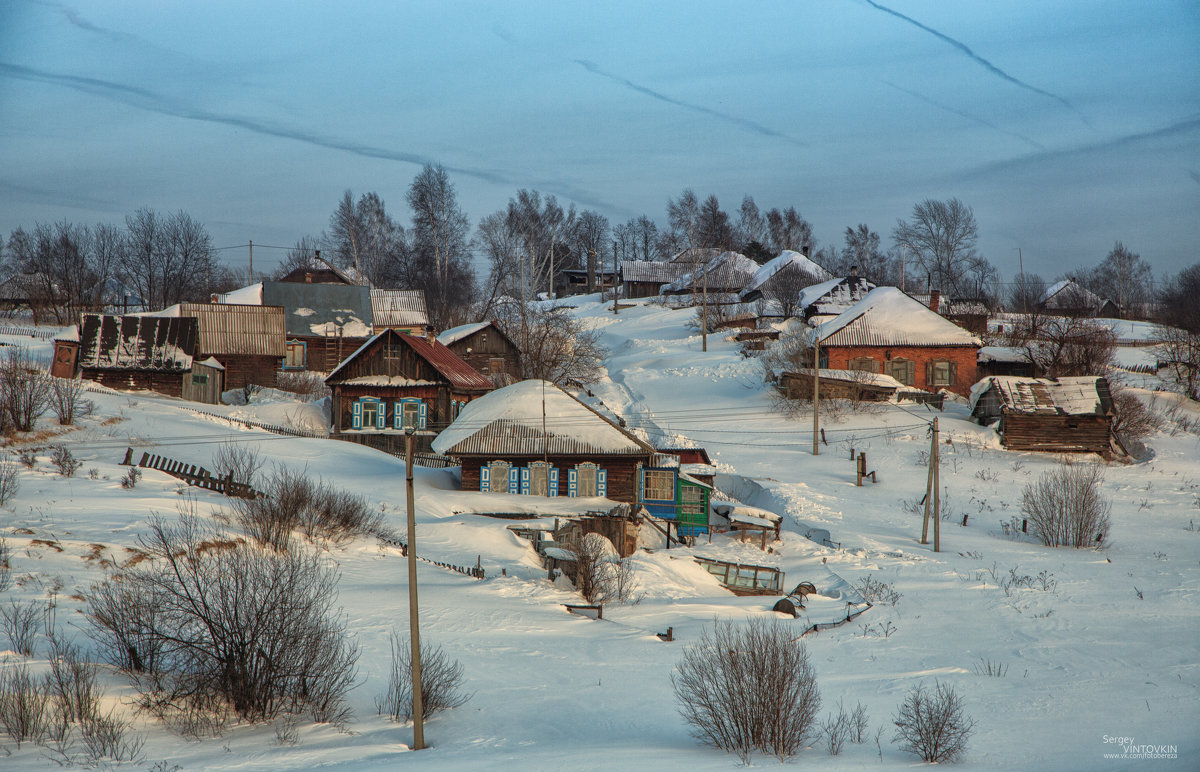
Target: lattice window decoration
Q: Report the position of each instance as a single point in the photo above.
(658, 485)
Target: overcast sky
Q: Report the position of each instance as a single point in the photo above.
(1065, 125)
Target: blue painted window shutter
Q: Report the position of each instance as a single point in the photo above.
(485, 477)
(602, 482)
(421, 408)
(356, 415)
(525, 480)
(553, 487)
(571, 484)
(514, 480)
(380, 415)
(398, 415)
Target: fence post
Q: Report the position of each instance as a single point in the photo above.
(128, 457)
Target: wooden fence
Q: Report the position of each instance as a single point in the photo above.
(475, 571)
(191, 474)
(33, 332)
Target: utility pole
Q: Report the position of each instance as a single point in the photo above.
(614, 279)
(937, 497)
(251, 261)
(931, 483)
(414, 629)
(816, 392)
(903, 254)
(704, 316)
(1024, 301)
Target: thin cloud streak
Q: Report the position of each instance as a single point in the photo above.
(758, 128)
(964, 48)
(157, 103)
(966, 115)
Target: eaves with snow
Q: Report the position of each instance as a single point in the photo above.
(787, 259)
(888, 317)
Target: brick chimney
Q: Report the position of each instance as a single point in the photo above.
(935, 300)
(308, 278)
(854, 272)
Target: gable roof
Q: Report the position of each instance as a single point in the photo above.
(726, 271)
(1079, 395)
(1069, 295)
(398, 308)
(652, 271)
(227, 328)
(455, 334)
(786, 259)
(888, 317)
(443, 360)
(693, 255)
(832, 297)
(157, 343)
(510, 421)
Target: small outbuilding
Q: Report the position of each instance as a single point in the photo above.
(484, 346)
(1056, 415)
(138, 352)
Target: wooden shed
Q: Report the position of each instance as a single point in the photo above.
(205, 382)
(645, 278)
(856, 385)
(484, 346)
(1058, 415)
(138, 352)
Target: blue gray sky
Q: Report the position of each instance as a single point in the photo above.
(1066, 125)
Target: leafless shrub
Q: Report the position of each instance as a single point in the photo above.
(292, 501)
(1134, 420)
(987, 667)
(106, 737)
(72, 682)
(1065, 507)
(748, 689)
(5, 565)
(875, 591)
(555, 346)
(600, 574)
(130, 480)
(303, 383)
(237, 460)
(933, 724)
(64, 461)
(27, 457)
(441, 681)
(22, 621)
(25, 712)
(837, 730)
(24, 389)
(67, 402)
(10, 479)
(210, 622)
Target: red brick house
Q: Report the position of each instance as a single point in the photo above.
(395, 381)
(888, 332)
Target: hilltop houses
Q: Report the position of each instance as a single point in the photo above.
(1066, 298)
(484, 346)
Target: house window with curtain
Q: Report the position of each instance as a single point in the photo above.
(539, 478)
(367, 413)
(865, 364)
(493, 477)
(582, 480)
(691, 501)
(409, 413)
(658, 485)
(942, 372)
(902, 370)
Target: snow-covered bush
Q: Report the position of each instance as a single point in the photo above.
(10, 480)
(933, 724)
(292, 501)
(600, 574)
(875, 591)
(67, 402)
(24, 389)
(441, 681)
(306, 384)
(237, 460)
(1065, 507)
(64, 461)
(218, 623)
(747, 689)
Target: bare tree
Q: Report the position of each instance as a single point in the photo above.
(933, 724)
(441, 681)
(1027, 291)
(714, 228)
(24, 389)
(751, 228)
(600, 574)
(440, 235)
(167, 259)
(66, 400)
(1123, 277)
(499, 240)
(210, 619)
(1060, 346)
(1066, 508)
(941, 236)
(590, 240)
(785, 286)
(558, 348)
(863, 252)
(748, 689)
(789, 230)
(303, 255)
(1177, 340)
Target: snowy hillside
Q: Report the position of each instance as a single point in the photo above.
(1095, 645)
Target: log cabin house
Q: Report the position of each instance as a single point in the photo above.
(727, 273)
(888, 332)
(484, 346)
(534, 438)
(646, 278)
(397, 381)
(822, 302)
(138, 352)
(248, 341)
(1056, 415)
(773, 275)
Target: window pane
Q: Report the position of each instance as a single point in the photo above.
(659, 486)
(585, 480)
(498, 477)
(539, 479)
(410, 413)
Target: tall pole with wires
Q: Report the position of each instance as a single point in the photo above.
(816, 392)
(414, 628)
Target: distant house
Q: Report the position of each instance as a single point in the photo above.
(890, 333)
(727, 273)
(324, 322)
(249, 341)
(534, 438)
(576, 281)
(139, 352)
(822, 302)
(400, 310)
(1066, 298)
(646, 278)
(397, 381)
(1058, 415)
(772, 273)
(855, 385)
(324, 274)
(1004, 360)
(484, 346)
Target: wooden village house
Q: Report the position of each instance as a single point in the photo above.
(534, 438)
(139, 352)
(888, 332)
(725, 274)
(1058, 415)
(484, 346)
(646, 278)
(248, 341)
(822, 302)
(780, 274)
(1066, 298)
(397, 381)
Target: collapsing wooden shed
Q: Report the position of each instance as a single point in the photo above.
(1058, 415)
(138, 352)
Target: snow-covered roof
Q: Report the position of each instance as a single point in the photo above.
(312, 309)
(1080, 395)
(878, 380)
(1066, 294)
(830, 298)
(212, 363)
(443, 360)
(727, 271)
(787, 259)
(252, 295)
(888, 317)
(398, 308)
(148, 343)
(1002, 354)
(652, 271)
(530, 418)
(68, 334)
(455, 334)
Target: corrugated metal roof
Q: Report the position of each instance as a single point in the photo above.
(888, 317)
(239, 329)
(1081, 395)
(398, 308)
(446, 362)
(511, 437)
(156, 343)
(652, 271)
(728, 271)
(319, 309)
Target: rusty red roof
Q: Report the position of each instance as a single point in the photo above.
(446, 362)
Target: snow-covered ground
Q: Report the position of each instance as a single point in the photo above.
(1108, 649)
